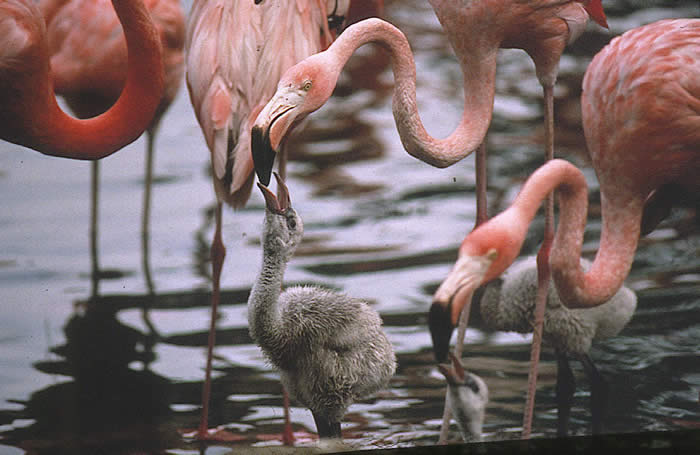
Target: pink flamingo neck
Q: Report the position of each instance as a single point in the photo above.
(57, 133)
(479, 79)
(619, 237)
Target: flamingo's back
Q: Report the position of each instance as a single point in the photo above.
(236, 53)
(641, 107)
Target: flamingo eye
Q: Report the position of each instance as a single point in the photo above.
(307, 86)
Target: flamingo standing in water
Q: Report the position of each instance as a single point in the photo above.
(330, 348)
(641, 118)
(235, 54)
(30, 115)
(542, 28)
(88, 67)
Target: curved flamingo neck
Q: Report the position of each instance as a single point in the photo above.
(479, 80)
(97, 137)
(618, 241)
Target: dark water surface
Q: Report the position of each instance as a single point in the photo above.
(123, 373)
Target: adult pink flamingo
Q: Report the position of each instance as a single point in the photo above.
(89, 69)
(542, 28)
(236, 53)
(641, 116)
(476, 32)
(30, 115)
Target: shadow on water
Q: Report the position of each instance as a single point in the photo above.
(126, 375)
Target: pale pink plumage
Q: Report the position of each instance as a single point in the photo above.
(236, 53)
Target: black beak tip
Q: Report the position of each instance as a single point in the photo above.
(263, 154)
(440, 324)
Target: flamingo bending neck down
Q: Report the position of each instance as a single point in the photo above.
(330, 348)
(30, 115)
(493, 246)
(467, 396)
(508, 304)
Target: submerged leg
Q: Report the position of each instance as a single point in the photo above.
(481, 216)
(327, 429)
(146, 233)
(218, 252)
(564, 393)
(543, 269)
(94, 220)
(599, 393)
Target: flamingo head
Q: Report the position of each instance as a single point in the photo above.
(484, 254)
(594, 8)
(303, 88)
(283, 227)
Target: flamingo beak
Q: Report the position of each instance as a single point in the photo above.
(276, 204)
(454, 374)
(594, 8)
(270, 128)
(452, 296)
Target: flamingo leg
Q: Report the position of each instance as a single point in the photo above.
(94, 219)
(599, 393)
(218, 253)
(543, 270)
(481, 216)
(288, 434)
(326, 428)
(145, 238)
(565, 393)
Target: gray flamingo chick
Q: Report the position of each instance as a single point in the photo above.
(467, 396)
(330, 349)
(508, 304)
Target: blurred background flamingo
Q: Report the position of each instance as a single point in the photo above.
(30, 115)
(88, 67)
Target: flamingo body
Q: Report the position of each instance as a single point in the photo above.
(508, 304)
(641, 110)
(236, 53)
(330, 348)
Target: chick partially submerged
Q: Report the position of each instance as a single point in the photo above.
(467, 397)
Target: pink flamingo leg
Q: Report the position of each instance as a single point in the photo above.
(288, 434)
(481, 216)
(218, 253)
(544, 273)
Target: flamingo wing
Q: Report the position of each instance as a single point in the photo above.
(236, 53)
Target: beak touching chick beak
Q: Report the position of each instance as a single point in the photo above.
(455, 292)
(276, 204)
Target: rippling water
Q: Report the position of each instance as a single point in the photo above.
(124, 372)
